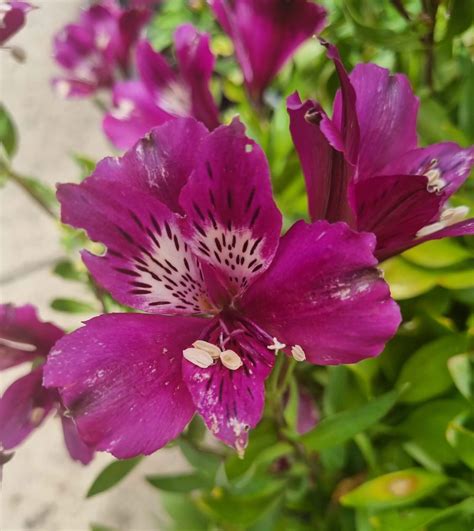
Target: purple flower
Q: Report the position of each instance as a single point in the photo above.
(266, 33)
(193, 239)
(95, 48)
(26, 403)
(364, 165)
(163, 93)
(12, 19)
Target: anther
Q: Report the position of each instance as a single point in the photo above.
(198, 357)
(298, 353)
(448, 217)
(211, 349)
(276, 345)
(231, 360)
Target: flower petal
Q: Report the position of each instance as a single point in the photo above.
(231, 401)
(323, 293)
(13, 19)
(120, 377)
(77, 449)
(154, 70)
(161, 163)
(23, 407)
(266, 33)
(133, 115)
(449, 159)
(196, 63)
(386, 111)
(23, 337)
(233, 222)
(147, 264)
(325, 169)
(394, 208)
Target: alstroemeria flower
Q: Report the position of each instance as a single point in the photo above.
(364, 165)
(193, 239)
(163, 93)
(26, 403)
(93, 50)
(266, 34)
(12, 18)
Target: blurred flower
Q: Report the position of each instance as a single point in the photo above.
(363, 166)
(26, 403)
(193, 238)
(12, 18)
(163, 93)
(96, 48)
(266, 34)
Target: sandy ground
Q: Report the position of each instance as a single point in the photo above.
(42, 488)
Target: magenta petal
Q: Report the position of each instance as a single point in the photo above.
(266, 33)
(13, 16)
(161, 163)
(23, 407)
(323, 292)
(452, 161)
(196, 63)
(387, 111)
(147, 265)
(325, 169)
(231, 401)
(345, 117)
(133, 115)
(130, 25)
(120, 377)
(232, 220)
(76, 448)
(73, 88)
(394, 208)
(23, 337)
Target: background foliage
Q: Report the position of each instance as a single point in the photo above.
(394, 450)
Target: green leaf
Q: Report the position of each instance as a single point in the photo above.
(438, 253)
(416, 519)
(460, 18)
(461, 368)
(395, 489)
(426, 428)
(340, 427)
(8, 135)
(180, 482)
(184, 513)
(112, 474)
(206, 462)
(461, 438)
(426, 370)
(100, 527)
(67, 270)
(72, 306)
(406, 280)
(85, 164)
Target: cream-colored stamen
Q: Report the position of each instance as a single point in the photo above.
(198, 357)
(211, 349)
(298, 353)
(231, 360)
(17, 345)
(276, 345)
(448, 217)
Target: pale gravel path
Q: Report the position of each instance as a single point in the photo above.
(42, 489)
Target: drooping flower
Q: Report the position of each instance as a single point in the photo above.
(26, 403)
(96, 48)
(162, 93)
(193, 239)
(364, 165)
(12, 18)
(266, 34)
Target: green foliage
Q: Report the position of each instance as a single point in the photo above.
(111, 475)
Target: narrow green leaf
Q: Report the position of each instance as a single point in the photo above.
(72, 306)
(395, 489)
(111, 475)
(8, 135)
(461, 438)
(66, 269)
(180, 483)
(427, 371)
(461, 368)
(340, 427)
